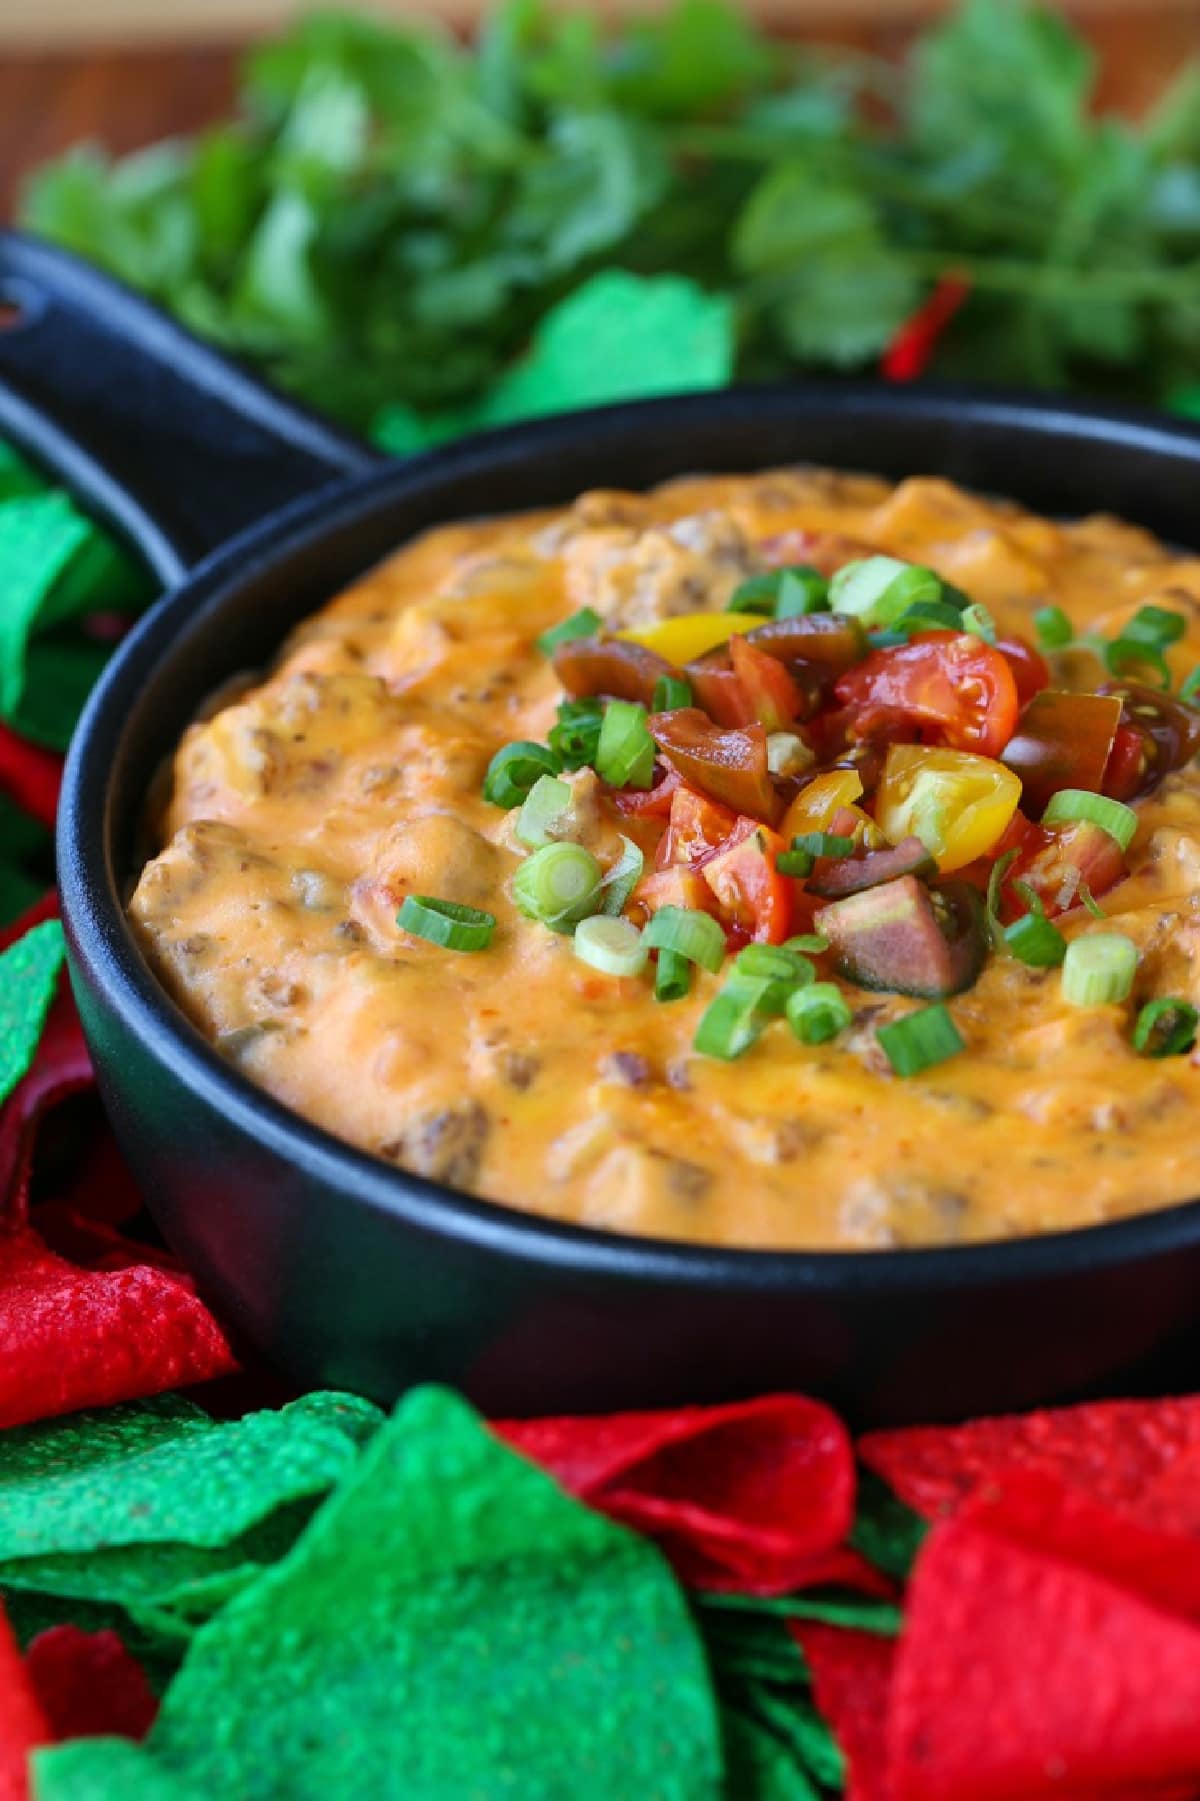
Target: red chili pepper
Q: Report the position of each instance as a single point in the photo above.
(911, 350)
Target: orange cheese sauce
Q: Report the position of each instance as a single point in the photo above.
(303, 813)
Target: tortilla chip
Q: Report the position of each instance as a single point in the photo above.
(852, 1674)
(755, 1496)
(29, 972)
(87, 1684)
(23, 1725)
(450, 1623)
(61, 1067)
(757, 1766)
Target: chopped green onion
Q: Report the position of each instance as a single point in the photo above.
(672, 977)
(809, 944)
(1099, 969)
(545, 803)
(1033, 940)
(878, 590)
(979, 622)
(559, 885)
(1190, 692)
(1155, 625)
(579, 625)
(1084, 893)
(1054, 630)
(920, 1040)
(1030, 896)
(670, 691)
(626, 751)
(514, 769)
(614, 946)
(930, 616)
(886, 640)
(623, 877)
(803, 590)
(781, 969)
(807, 847)
(1000, 869)
(756, 594)
(818, 1012)
(689, 933)
(1113, 816)
(1126, 656)
(575, 738)
(446, 923)
(733, 1019)
(1166, 1028)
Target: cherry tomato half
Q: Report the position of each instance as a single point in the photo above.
(949, 684)
(1169, 733)
(1058, 863)
(1062, 740)
(771, 695)
(749, 889)
(728, 766)
(697, 827)
(1031, 672)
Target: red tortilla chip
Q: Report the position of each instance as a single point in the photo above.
(72, 1338)
(62, 1067)
(30, 775)
(1020, 1676)
(852, 1676)
(1115, 1451)
(756, 1495)
(22, 1724)
(88, 1685)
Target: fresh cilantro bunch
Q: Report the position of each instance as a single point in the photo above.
(421, 237)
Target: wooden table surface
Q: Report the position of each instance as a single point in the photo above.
(128, 98)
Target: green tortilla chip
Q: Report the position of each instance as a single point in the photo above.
(29, 972)
(450, 1624)
(758, 1767)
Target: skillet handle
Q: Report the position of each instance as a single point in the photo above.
(176, 446)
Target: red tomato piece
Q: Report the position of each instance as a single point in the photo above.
(749, 890)
(697, 827)
(1062, 740)
(771, 694)
(729, 766)
(648, 803)
(949, 684)
(1125, 771)
(1058, 862)
(1031, 672)
(677, 886)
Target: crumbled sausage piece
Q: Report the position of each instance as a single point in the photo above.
(446, 1143)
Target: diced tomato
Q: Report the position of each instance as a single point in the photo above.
(729, 766)
(1125, 771)
(750, 892)
(1020, 835)
(771, 694)
(1057, 862)
(697, 827)
(1062, 740)
(648, 803)
(950, 685)
(1031, 672)
(1169, 731)
(677, 886)
(717, 689)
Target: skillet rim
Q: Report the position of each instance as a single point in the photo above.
(103, 946)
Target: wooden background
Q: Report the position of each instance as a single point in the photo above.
(127, 96)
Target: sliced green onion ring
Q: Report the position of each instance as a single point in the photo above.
(818, 1012)
(626, 751)
(1088, 899)
(999, 870)
(1034, 940)
(920, 1040)
(979, 622)
(614, 946)
(806, 847)
(579, 625)
(514, 769)
(756, 594)
(1158, 626)
(558, 885)
(577, 733)
(623, 877)
(1054, 629)
(1190, 692)
(733, 1019)
(809, 944)
(802, 590)
(783, 971)
(1133, 656)
(1099, 969)
(672, 976)
(671, 691)
(1166, 1028)
(1113, 816)
(689, 933)
(547, 802)
(446, 923)
(879, 590)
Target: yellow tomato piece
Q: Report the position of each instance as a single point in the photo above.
(690, 634)
(816, 804)
(956, 803)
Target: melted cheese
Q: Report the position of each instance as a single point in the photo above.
(303, 814)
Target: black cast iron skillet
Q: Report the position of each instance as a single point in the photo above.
(346, 1270)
